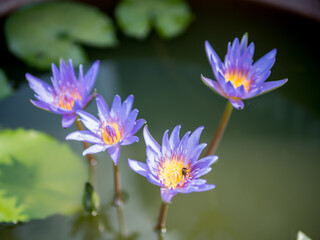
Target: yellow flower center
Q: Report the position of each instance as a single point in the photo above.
(66, 99)
(173, 173)
(111, 133)
(238, 78)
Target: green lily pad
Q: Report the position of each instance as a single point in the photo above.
(5, 88)
(38, 175)
(43, 33)
(9, 210)
(137, 17)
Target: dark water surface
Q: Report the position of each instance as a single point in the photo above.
(268, 170)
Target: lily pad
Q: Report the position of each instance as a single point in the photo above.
(137, 17)
(5, 88)
(9, 210)
(39, 175)
(43, 33)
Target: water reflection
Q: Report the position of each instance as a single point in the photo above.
(92, 227)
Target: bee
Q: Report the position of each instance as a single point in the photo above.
(184, 171)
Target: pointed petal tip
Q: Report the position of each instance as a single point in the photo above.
(237, 103)
(28, 75)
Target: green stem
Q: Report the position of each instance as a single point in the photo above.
(90, 158)
(220, 130)
(161, 225)
(118, 200)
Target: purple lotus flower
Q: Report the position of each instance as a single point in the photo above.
(174, 166)
(115, 127)
(67, 93)
(237, 78)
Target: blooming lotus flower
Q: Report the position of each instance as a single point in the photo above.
(237, 78)
(67, 93)
(174, 166)
(114, 127)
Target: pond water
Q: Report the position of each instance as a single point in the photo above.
(268, 166)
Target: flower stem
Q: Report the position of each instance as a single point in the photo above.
(220, 130)
(91, 159)
(118, 200)
(161, 225)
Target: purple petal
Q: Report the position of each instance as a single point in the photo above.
(194, 138)
(103, 109)
(167, 194)
(41, 105)
(201, 172)
(67, 74)
(114, 152)
(92, 123)
(165, 143)
(237, 103)
(196, 188)
(251, 49)
(233, 55)
(41, 88)
(252, 93)
(259, 79)
(214, 59)
(194, 155)
(244, 43)
(95, 149)
(130, 140)
(86, 101)
(139, 123)
(127, 106)
(56, 79)
(130, 121)
(174, 138)
(213, 85)
(90, 78)
(183, 143)
(269, 86)
(152, 160)
(240, 92)
(229, 89)
(138, 167)
(116, 107)
(68, 120)
(205, 162)
(84, 136)
(187, 189)
(265, 63)
(197, 182)
(205, 187)
(59, 110)
(150, 140)
(153, 180)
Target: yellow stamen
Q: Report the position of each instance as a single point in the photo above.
(238, 78)
(111, 133)
(67, 98)
(173, 173)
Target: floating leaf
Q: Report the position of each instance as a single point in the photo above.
(5, 89)
(43, 33)
(39, 173)
(137, 17)
(9, 211)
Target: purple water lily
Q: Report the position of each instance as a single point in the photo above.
(114, 127)
(174, 166)
(237, 78)
(67, 93)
